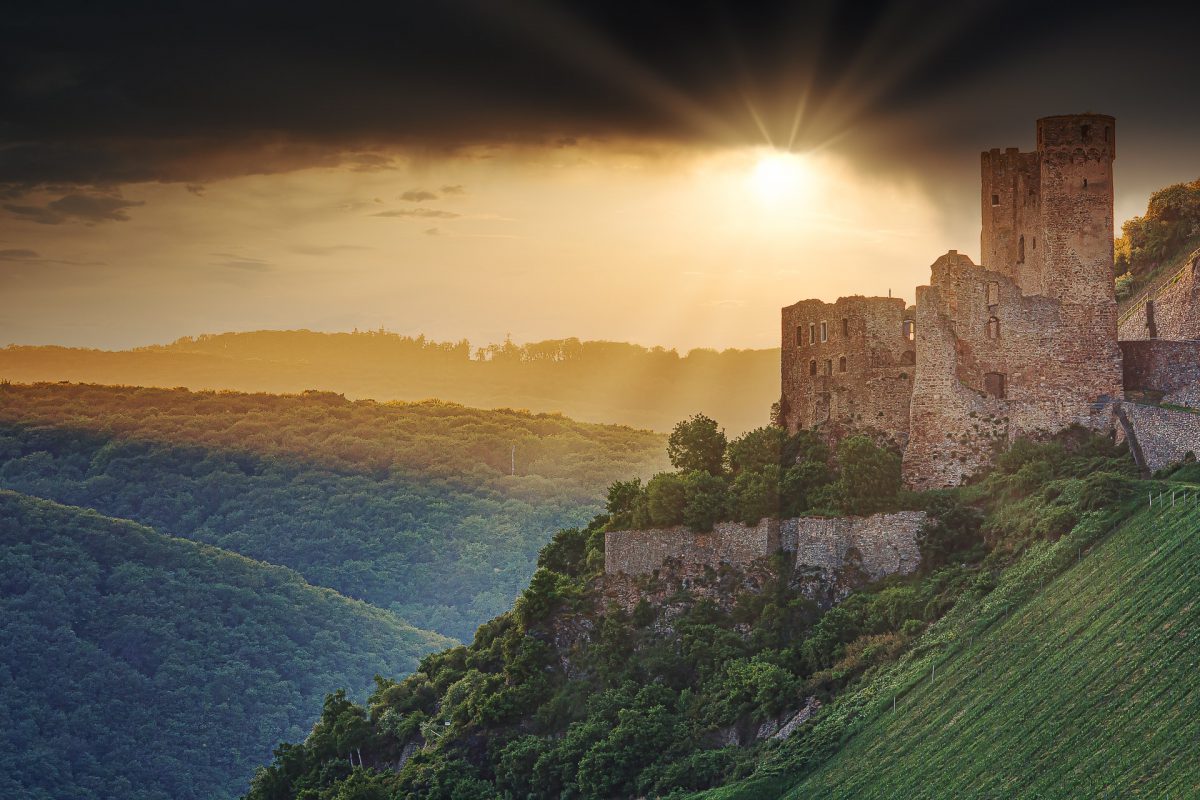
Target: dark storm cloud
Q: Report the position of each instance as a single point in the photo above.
(87, 208)
(245, 263)
(195, 92)
(421, 213)
(19, 254)
(418, 195)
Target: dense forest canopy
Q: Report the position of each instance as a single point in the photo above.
(412, 507)
(146, 667)
(611, 382)
(569, 697)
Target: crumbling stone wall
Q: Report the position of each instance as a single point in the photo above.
(642, 552)
(847, 366)
(994, 363)
(1176, 309)
(878, 545)
(1024, 345)
(1165, 435)
(1162, 368)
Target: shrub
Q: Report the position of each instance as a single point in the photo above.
(697, 444)
(665, 498)
(705, 500)
(870, 475)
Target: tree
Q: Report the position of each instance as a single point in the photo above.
(697, 444)
(755, 450)
(665, 498)
(870, 475)
(625, 500)
(704, 500)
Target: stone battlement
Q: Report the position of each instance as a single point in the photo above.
(874, 546)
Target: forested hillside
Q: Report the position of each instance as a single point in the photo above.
(412, 507)
(609, 382)
(145, 667)
(568, 696)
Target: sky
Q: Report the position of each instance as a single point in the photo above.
(664, 173)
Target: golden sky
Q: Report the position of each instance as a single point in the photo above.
(645, 243)
(597, 169)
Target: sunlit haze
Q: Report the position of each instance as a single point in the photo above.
(650, 244)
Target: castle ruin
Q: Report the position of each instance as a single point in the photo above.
(1025, 344)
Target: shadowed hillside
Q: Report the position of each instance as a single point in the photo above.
(609, 382)
(412, 507)
(141, 666)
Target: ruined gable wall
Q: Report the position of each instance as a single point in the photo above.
(1010, 199)
(873, 391)
(971, 323)
(1176, 309)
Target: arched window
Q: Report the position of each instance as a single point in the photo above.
(799, 335)
(910, 330)
(845, 328)
(841, 364)
(993, 328)
(812, 367)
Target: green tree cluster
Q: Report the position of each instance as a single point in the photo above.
(763, 473)
(566, 698)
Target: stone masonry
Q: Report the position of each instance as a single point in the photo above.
(848, 366)
(1023, 345)
(1170, 312)
(875, 546)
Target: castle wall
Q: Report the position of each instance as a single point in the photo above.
(878, 545)
(642, 552)
(1165, 435)
(874, 546)
(1176, 309)
(993, 364)
(1160, 366)
(857, 377)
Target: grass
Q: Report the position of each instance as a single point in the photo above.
(1075, 677)
(1149, 284)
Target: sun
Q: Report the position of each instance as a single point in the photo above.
(778, 176)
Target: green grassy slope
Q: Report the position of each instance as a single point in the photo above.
(1069, 680)
(141, 666)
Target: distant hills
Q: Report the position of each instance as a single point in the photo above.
(432, 510)
(609, 382)
(145, 667)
